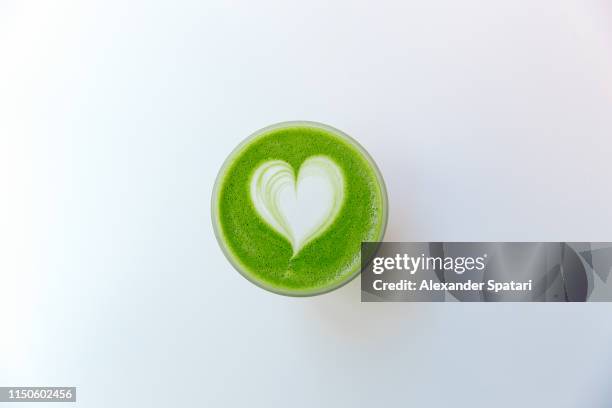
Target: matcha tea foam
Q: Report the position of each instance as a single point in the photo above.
(292, 204)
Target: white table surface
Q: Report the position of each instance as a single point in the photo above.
(490, 120)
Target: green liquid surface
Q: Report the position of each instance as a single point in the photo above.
(265, 256)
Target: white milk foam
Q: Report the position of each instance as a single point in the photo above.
(299, 208)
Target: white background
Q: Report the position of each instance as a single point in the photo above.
(490, 120)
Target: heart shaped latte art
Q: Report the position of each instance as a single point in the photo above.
(298, 207)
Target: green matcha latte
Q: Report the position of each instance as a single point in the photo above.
(292, 204)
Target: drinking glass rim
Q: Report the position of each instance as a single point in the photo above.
(215, 210)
